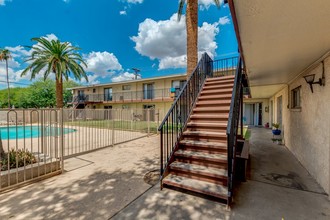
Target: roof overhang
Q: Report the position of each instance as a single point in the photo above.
(280, 39)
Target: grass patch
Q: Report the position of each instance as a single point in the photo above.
(246, 133)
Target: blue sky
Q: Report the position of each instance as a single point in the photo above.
(114, 35)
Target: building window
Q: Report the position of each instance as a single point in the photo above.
(178, 83)
(126, 87)
(295, 98)
(108, 94)
(148, 91)
(177, 86)
(94, 90)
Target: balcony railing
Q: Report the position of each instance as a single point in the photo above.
(225, 67)
(155, 94)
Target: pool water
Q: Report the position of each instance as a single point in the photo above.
(13, 132)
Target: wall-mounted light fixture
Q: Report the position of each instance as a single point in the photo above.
(310, 79)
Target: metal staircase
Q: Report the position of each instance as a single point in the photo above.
(199, 133)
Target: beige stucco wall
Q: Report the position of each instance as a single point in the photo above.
(307, 130)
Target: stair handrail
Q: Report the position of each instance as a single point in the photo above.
(176, 119)
(232, 126)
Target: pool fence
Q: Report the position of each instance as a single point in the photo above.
(35, 142)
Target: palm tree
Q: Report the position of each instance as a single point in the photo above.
(53, 56)
(4, 56)
(192, 31)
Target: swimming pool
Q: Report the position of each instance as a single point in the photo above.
(13, 132)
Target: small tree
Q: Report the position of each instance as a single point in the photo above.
(5, 56)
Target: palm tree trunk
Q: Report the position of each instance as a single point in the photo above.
(59, 92)
(192, 35)
(8, 84)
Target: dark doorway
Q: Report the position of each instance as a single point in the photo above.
(260, 114)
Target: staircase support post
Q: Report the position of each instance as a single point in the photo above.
(241, 97)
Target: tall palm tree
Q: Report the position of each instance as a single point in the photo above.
(4, 56)
(192, 31)
(53, 56)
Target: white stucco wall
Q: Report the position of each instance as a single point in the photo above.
(307, 130)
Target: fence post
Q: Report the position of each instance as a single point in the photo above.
(132, 119)
(113, 129)
(62, 140)
(157, 121)
(148, 120)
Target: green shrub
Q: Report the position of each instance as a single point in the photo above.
(21, 155)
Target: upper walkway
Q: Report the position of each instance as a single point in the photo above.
(109, 184)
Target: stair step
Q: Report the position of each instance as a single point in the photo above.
(217, 91)
(222, 86)
(215, 118)
(209, 116)
(199, 170)
(214, 96)
(219, 82)
(198, 186)
(213, 102)
(214, 157)
(207, 125)
(205, 134)
(207, 110)
(204, 144)
(220, 78)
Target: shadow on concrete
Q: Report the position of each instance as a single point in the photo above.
(96, 196)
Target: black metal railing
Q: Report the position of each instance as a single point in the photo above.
(154, 94)
(225, 67)
(233, 121)
(173, 125)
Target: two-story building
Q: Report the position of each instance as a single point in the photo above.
(157, 93)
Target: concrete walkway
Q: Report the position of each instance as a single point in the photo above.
(278, 187)
(109, 184)
(95, 185)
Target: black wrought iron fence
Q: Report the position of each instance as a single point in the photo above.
(224, 67)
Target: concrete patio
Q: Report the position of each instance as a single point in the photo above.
(109, 183)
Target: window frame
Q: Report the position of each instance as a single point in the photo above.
(296, 98)
(123, 87)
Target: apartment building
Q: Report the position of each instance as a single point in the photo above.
(157, 93)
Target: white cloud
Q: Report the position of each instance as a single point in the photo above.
(224, 20)
(161, 39)
(166, 41)
(205, 4)
(102, 63)
(3, 2)
(134, 1)
(123, 12)
(3, 75)
(92, 80)
(50, 37)
(124, 77)
(19, 51)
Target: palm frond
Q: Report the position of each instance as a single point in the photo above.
(180, 9)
